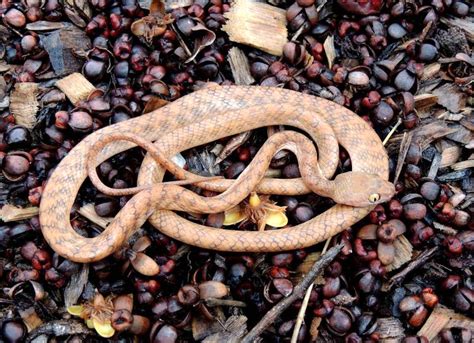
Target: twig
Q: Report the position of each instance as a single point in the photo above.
(298, 291)
(304, 305)
(392, 131)
(419, 261)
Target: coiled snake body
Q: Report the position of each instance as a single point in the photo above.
(205, 116)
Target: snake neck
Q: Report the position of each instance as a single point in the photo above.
(318, 183)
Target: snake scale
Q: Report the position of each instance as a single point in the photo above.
(205, 116)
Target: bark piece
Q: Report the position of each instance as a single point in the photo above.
(76, 87)
(23, 103)
(258, 25)
(66, 48)
(239, 64)
(450, 97)
(390, 328)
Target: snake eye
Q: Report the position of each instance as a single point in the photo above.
(374, 197)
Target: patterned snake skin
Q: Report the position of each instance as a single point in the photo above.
(200, 118)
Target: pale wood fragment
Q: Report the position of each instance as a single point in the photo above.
(23, 103)
(403, 253)
(10, 213)
(76, 87)
(239, 64)
(258, 25)
(89, 213)
(423, 101)
(330, 50)
(444, 318)
(390, 329)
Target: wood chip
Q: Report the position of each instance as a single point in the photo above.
(30, 318)
(174, 4)
(4, 67)
(67, 49)
(202, 327)
(314, 328)
(76, 87)
(428, 133)
(88, 212)
(23, 103)
(239, 64)
(10, 213)
(450, 97)
(390, 328)
(232, 331)
(435, 163)
(424, 101)
(462, 135)
(430, 71)
(444, 318)
(450, 155)
(403, 253)
(445, 229)
(330, 50)
(463, 165)
(43, 26)
(258, 25)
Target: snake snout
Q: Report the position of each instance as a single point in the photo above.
(360, 189)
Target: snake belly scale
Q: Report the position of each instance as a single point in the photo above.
(202, 117)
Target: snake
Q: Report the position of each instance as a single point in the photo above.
(199, 118)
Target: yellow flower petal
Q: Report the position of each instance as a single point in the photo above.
(234, 215)
(254, 200)
(75, 310)
(89, 323)
(276, 219)
(103, 329)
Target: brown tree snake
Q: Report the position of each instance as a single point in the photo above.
(205, 116)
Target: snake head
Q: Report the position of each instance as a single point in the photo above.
(360, 189)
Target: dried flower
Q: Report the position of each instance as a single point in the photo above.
(97, 314)
(259, 210)
(154, 24)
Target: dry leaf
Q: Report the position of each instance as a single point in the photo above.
(23, 103)
(450, 97)
(203, 38)
(154, 24)
(232, 144)
(154, 103)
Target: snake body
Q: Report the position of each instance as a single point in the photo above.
(200, 118)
